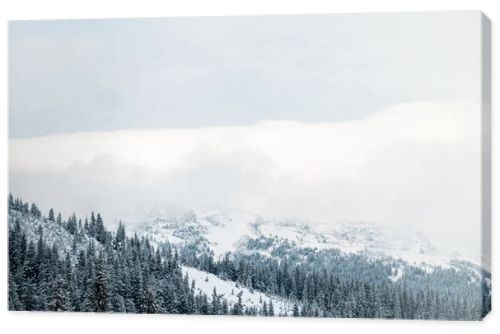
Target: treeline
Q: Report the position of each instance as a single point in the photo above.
(110, 273)
(90, 269)
(328, 283)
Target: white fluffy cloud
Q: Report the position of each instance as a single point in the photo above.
(415, 164)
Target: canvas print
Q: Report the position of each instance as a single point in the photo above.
(300, 166)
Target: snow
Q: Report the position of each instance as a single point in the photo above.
(397, 274)
(205, 282)
(52, 233)
(230, 229)
(226, 230)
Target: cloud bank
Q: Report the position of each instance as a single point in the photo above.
(415, 164)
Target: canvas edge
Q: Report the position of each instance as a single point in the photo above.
(486, 148)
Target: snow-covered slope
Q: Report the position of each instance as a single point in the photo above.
(52, 233)
(206, 282)
(230, 230)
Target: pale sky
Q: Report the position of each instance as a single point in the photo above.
(96, 75)
(331, 117)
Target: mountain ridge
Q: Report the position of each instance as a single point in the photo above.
(78, 265)
(226, 230)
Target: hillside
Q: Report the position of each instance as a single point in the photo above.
(203, 264)
(230, 230)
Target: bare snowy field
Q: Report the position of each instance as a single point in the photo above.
(206, 282)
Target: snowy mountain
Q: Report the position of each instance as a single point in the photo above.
(230, 262)
(38, 229)
(231, 230)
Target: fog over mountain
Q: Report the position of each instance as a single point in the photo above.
(414, 164)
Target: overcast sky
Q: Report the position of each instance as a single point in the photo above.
(331, 117)
(94, 75)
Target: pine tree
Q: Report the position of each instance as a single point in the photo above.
(271, 308)
(238, 306)
(92, 225)
(100, 231)
(120, 235)
(216, 306)
(34, 211)
(150, 305)
(264, 309)
(11, 202)
(59, 297)
(25, 209)
(51, 215)
(14, 302)
(296, 312)
(99, 299)
(72, 224)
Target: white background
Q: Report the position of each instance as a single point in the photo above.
(85, 323)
